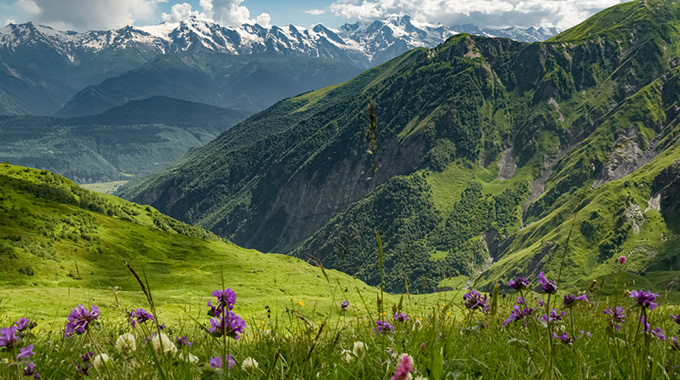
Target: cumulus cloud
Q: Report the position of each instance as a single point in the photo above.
(225, 12)
(492, 13)
(87, 14)
(315, 12)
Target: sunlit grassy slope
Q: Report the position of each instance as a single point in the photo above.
(61, 245)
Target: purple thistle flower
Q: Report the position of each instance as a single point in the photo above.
(8, 336)
(83, 370)
(23, 324)
(25, 353)
(184, 341)
(474, 300)
(547, 285)
(382, 327)
(344, 305)
(564, 338)
(233, 328)
(569, 299)
(217, 362)
(645, 299)
(139, 316)
(401, 317)
(79, 319)
(518, 314)
(88, 355)
(519, 282)
(553, 316)
(29, 370)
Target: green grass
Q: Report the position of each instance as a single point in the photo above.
(104, 187)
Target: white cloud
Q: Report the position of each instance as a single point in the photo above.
(87, 14)
(10, 21)
(179, 12)
(493, 13)
(315, 12)
(225, 12)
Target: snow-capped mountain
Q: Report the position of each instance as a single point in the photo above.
(363, 44)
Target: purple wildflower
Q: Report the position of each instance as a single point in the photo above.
(661, 334)
(622, 259)
(564, 338)
(541, 303)
(25, 353)
(553, 316)
(474, 300)
(617, 317)
(88, 355)
(233, 327)
(521, 301)
(401, 317)
(676, 318)
(547, 285)
(344, 305)
(139, 316)
(217, 362)
(184, 341)
(79, 319)
(23, 324)
(404, 370)
(518, 314)
(569, 299)
(675, 346)
(587, 334)
(162, 326)
(519, 282)
(29, 370)
(225, 297)
(83, 370)
(645, 299)
(382, 327)
(8, 336)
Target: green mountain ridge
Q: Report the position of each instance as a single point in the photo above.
(488, 152)
(61, 245)
(139, 137)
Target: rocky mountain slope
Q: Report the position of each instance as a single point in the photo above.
(487, 152)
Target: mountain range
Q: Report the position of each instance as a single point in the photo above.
(480, 158)
(46, 71)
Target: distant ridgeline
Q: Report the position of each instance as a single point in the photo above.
(490, 154)
(140, 137)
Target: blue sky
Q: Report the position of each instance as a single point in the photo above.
(84, 15)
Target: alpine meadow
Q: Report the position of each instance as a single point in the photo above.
(390, 199)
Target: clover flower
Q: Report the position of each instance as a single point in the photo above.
(25, 353)
(344, 305)
(519, 283)
(547, 285)
(475, 301)
(163, 345)
(79, 318)
(233, 327)
(401, 317)
(359, 348)
(126, 344)
(100, 361)
(645, 299)
(382, 327)
(249, 364)
(217, 362)
(24, 324)
(622, 259)
(405, 368)
(553, 316)
(518, 314)
(139, 316)
(569, 299)
(617, 317)
(188, 357)
(8, 336)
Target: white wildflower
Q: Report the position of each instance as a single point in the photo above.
(126, 344)
(345, 355)
(163, 345)
(100, 361)
(187, 357)
(249, 364)
(359, 348)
